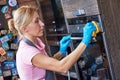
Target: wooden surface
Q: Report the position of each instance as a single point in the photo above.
(3, 23)
(110, 13)
(47, 12)
(90, 7)
(27, 2)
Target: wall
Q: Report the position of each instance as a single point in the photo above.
(111, 18)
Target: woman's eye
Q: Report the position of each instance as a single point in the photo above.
(36, 21)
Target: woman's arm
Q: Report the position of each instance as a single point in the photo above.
(63, 65)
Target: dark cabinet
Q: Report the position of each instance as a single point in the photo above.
(77, 13)
(101, 58)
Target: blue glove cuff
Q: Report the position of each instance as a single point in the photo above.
(86, 40)
(86, 43)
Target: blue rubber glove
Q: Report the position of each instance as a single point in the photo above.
(64, 43)
(87, 33)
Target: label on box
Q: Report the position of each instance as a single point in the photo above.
(5, 45)
(6, 73)
(14, 46)
(2, 51)
(4, 39)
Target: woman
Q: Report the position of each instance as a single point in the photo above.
(33, 62)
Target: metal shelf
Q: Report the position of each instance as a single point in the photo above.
(76, 38)
(56, 34)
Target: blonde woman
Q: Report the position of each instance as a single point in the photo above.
(32, 62)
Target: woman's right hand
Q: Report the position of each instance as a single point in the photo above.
(64, 43)
(87, 32)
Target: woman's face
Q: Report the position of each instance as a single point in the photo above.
(36, 27)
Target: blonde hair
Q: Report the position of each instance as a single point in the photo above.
(11, 25)
(21, 17)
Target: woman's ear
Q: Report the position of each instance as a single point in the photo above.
(24, 29)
